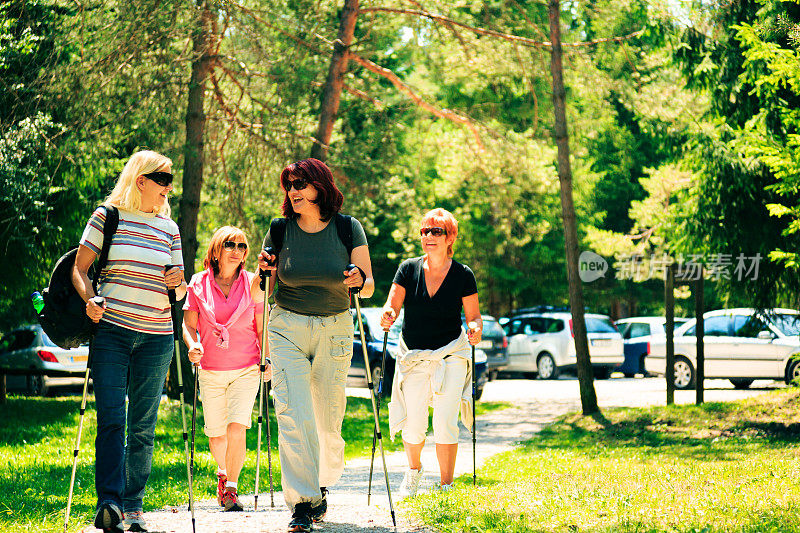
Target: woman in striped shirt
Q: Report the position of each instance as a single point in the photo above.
(133, 345)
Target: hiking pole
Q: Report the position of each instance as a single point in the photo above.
(380, 391)
(175, 328)
(196, 368)
(264, 274)
(354, 293)
(99, 300)
(473, 326)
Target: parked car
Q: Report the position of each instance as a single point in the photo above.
(542, 343)
(495, 343)
(636, 334)
(35, 365)
(740, 345)
(373, 333)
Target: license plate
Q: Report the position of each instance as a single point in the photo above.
(79, 358)
(601, 342)
(484, 344)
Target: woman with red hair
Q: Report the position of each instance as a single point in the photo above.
(222, 324)
(433, 368)
(311, 332)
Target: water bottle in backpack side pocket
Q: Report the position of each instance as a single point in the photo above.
(37, 301)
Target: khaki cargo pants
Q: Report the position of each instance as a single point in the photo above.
(310, 357)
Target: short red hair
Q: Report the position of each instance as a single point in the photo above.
(225, 233)
(444, 219)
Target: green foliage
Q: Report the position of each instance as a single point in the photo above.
(679, 468)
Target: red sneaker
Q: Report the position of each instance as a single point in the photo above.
(221, 480)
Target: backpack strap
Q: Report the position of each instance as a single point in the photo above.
(277, 229)
(109, 229)
(344, 228)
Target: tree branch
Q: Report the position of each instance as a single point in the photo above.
(402, 87)
(506, 36)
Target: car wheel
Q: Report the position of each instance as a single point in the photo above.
(478, 394)
(684, 374)
(37, 385)
(546, 366)
(741, 383)
(375, 372)
(602, 373)
(793, 372)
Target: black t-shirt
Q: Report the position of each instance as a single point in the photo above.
(431, 323)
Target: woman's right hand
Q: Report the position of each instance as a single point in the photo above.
(263, 257)
(195, 352)
(94, 310)
(387, 318)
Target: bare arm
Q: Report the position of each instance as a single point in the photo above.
(472, 314)
(360, 257)
(190, 336)
(397, 295)
(80, 279)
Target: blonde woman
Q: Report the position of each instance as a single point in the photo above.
(133, 345)
(222, 328)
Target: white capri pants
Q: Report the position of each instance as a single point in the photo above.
(446, 404)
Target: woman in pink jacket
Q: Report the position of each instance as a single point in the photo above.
(222, 327)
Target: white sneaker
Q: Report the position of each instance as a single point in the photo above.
(410, 484)
(134, 521)
(440, 487)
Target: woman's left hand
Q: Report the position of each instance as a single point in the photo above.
(474, 334)
(353, 279)
(268, 372)
(173, 277)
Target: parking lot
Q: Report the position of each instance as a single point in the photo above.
(614, 392)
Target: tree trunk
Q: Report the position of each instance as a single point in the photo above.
(193, 173)
(195, 132)
(332, 92)
(585, 375)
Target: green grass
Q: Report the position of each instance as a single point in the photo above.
(719, 467)
(37, 437)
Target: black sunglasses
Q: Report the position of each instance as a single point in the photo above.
(161, 178)
(299, 184)
(230, 245)
(436, 232)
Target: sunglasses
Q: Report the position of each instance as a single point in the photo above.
(436, 232)
(299, 184)
(162, 178)
(230, 245)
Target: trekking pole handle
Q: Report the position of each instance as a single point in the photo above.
(264, 274)
(170, 292)
(98, 300)
(356, 290)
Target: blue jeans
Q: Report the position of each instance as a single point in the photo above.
(126, 362)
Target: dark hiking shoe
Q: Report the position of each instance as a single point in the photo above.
(318, 511)
(230, 500)
(301, 518)
(108, 516)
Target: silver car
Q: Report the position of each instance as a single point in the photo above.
(34, 364)
(740, 345)
(543, 344)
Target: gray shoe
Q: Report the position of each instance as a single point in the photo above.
(134, 521)
(108, 516)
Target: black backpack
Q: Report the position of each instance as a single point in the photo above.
(63, 317)
(344, 229)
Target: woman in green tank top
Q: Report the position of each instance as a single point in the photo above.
(311, 334)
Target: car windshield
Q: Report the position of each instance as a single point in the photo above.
(788, 324)
(46, 341)
(374, 324)
(492, 329)
(599, 325)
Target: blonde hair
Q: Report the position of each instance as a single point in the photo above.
(443, 219)
(126, 195)
(225, 233)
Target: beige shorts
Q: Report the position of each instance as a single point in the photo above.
(228, 396)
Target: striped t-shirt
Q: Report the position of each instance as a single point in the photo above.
(133, 282)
